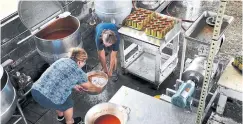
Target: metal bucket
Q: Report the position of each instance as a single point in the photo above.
(113, 11)
(8, 97)
(121, 112)
(102, 87)
(54, 49)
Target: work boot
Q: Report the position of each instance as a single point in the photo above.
(60, 118)
(115, 76)
(77, 120)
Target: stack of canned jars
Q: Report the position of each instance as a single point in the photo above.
(159, 26)
(153, 24)
(139, 18)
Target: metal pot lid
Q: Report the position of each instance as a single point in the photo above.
(34, 14)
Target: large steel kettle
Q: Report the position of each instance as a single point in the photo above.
(121, 112)
(8, 97)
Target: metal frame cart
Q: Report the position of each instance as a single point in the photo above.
(149, 61)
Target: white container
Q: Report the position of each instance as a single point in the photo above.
(114, 11)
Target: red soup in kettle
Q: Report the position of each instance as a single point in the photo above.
(107, 119)
(58, 34)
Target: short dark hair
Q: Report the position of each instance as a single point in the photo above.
(110, 36)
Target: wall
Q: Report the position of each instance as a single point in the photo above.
(15, 31)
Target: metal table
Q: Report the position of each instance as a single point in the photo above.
(229, 85)
(150, 60)
(148, 110)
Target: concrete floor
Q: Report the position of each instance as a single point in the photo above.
(186, 9)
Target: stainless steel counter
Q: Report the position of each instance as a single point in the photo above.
(148, 110)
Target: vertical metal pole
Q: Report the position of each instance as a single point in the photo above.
(183, 56)
(66, 4)
(209, 65)
(157, 67)
(175, 47)
(122, 55)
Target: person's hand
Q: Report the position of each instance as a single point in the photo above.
(109, 74)
(79, 88)
(105, 71)
(88, 86)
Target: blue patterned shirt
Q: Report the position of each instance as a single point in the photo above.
(57, 81)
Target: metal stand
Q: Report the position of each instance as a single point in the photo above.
(21, 116)
(149, 61)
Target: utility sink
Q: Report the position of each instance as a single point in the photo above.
(201, 31)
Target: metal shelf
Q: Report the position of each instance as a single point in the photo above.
(144, 67)
(149, 61)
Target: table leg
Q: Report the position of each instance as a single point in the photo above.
(183, 57)
(221, 103)
(21, 112)
(210, 103)
(157, 68)
(175, 47)
(122, 55)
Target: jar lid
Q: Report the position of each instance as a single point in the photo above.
(35, 14)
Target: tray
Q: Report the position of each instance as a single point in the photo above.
(202, 32)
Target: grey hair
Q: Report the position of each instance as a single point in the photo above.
(109, 36)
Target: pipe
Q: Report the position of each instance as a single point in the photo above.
(7, 62)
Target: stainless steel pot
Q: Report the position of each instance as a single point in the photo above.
(114, 11)
(8, 97)
(121, 112)
(51, 50)
(45, 17)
